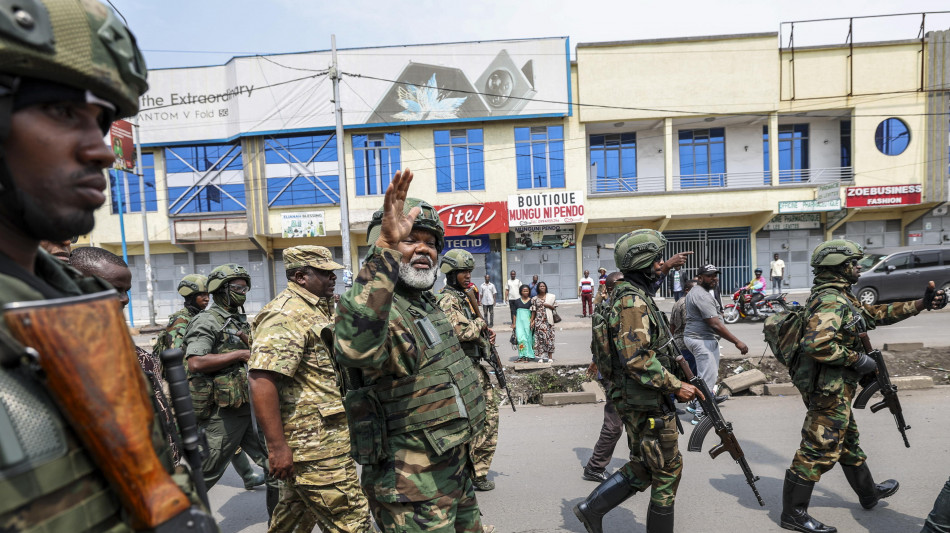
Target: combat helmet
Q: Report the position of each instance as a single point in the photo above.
(224, 273)
(836, 252)
(457, 259)
(427, 220)
(638, 249)
(192, 284)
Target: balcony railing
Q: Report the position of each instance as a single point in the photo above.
(724, 180)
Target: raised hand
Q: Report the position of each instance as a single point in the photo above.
(396, 226)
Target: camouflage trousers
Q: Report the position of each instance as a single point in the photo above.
(324, 492)
(453, 510)
(647, 447)
(484, 443)
(829, 435)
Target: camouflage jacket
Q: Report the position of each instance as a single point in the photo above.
(57, 464)
(633, 333)
(468, 327)
(287, 342)
(831, 332)
(215, 330)
(174, 334)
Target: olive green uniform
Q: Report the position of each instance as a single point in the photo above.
(325, 486)
(411, 424)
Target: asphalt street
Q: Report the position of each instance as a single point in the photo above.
(537, 470)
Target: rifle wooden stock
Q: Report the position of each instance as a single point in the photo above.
(89, 362)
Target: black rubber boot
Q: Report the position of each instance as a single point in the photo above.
(242, 465)
(869, 493)
(795, 497)
(659, 519)
(605, 497)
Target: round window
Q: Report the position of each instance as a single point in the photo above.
(892, 136)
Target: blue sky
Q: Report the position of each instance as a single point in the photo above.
(178, 33)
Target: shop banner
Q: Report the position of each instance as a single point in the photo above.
(541, 237)
(808, 206)
(120, 136)
(884, 196)
(794, 221)
(474, 219)
(828, 192)
(476, 244)
(544, 208)
(306, 224)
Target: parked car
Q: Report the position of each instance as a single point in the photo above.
(889, 274)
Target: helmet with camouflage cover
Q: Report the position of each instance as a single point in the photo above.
(638, 249)
(427, 220)
(192, 284)
(457, 259)
(78, 44)
(224, 273)
(836, 252)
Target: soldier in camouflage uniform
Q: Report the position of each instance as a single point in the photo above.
(457, 265)
(298, 402)
(826, 372)
(640, 369)
(67, 70)
(420, 403)
(217, 347)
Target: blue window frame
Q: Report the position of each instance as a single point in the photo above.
(539, 157)
(302, 170)
(615, 158)
(702, 158)
(375, 160)
(207, 178)
(459, 160)
(125, 186)
(793, 153)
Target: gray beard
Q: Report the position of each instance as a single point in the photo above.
(414, 278)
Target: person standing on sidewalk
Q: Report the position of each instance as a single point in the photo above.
(512, 294)
(777, 271)
(487, 294)
(585, 290)
(704, 327)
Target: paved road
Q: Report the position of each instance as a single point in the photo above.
(542, 449)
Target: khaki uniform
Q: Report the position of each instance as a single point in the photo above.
(325, 485)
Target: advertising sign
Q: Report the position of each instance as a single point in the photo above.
(808, 206)
(393, 85)
(120, 137)
(546, 207)
(884, 196)
(828, 192)
(305, 224)
(541, 237)
(794, 221)
(476, 244)
(474, 219)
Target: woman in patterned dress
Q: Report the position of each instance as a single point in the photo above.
(542, 321)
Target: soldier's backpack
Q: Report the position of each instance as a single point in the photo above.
(783, 334)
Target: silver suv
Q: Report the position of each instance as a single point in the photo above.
(901, 273)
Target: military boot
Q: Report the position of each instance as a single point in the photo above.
(869, 493)
(605, 497)
(659, 519)
(795, 497)
(242, 465)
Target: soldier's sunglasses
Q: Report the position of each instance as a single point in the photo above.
(240, 289)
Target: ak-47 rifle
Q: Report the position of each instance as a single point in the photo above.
(492, 357)
(83, 349)
(713, 420)
(882, 383)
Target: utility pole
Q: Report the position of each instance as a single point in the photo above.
(341, 165)
(148, 256)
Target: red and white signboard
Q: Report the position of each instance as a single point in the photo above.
(884, 196)
(120, 137)
(473, 219)
(545, 208)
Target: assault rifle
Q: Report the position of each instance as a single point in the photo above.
(882, 383)
(83, 349)
(492, 357)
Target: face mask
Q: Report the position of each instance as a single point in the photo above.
(237, 300)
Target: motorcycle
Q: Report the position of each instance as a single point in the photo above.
(741, 302)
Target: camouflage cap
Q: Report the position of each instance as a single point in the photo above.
(314, 256)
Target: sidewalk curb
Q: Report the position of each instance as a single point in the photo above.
(903, 383)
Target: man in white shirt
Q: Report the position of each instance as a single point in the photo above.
(777, 273)
(511, 293)
(585, 289)
(487, 292)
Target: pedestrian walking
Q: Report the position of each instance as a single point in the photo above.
(777, 272)
(487, 294)
(585, 291)
(512, 293)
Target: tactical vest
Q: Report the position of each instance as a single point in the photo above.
(631, 393)
(228, 387)
(471, 348)
(443, 399)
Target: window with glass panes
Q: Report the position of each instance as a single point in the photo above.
(302, 170)
(207, 178)
(459, 160)
(614, 157)
(539, 157)
(792, 153)
(125, 186)
(375, 159)
(702, 158)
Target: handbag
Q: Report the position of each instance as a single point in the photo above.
(557, 317)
